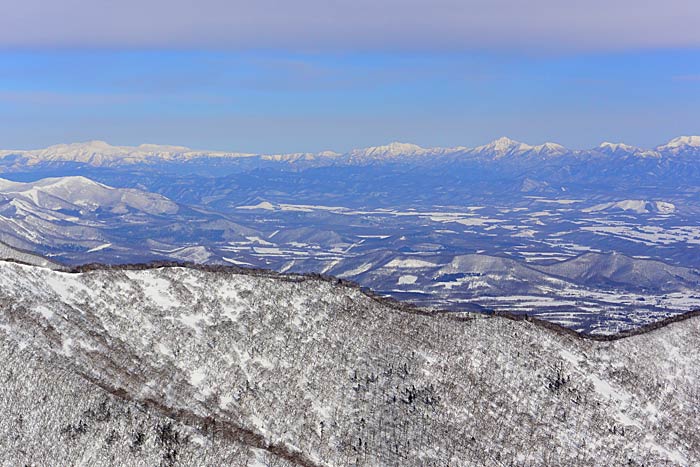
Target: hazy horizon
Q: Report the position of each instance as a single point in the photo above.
(277, 77)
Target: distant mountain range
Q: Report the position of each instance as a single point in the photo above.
(100, 153)
(598, 240)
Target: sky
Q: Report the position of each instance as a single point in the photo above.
(311, 75)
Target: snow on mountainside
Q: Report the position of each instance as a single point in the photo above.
(505, 147)
(599, 269)
(62, 192)
(682, 145)
(9, 253)
(594, 292)
(549, 149)
(295, 371)
(634, 205)
(69, 215)
(53, 416)
(683, 141)
(301, 156)
(621, 149)
(390, 150)
(100, 153)
(502, 147)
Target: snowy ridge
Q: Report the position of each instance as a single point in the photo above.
(87, 194)
(682, 141)
(682, 145)
(100, 153)
(65, 212)
(307, 372)
(9, 253)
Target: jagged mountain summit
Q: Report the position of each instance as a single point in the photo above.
(184, 366)
(506, 147)
(100, 153)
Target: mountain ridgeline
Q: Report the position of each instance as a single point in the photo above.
(100, 153)
(183, 366)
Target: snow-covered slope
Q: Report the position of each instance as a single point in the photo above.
(621, 150)
(682, 144)
(394, 149)
(594, 269)
(637, 206)
(74, 216)
(296, 371)
(70, 212)
(53, 416)
(81, 192)
(14, 254)
(505, 147)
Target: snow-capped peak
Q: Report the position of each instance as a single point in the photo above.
(69, 184)
(504, 144)
(550, 149)
(616, 146)
(393, 149)
(621, 149)
(681, 141)
(502, 147)
(95, 146)
(683, 145)
(101, 153)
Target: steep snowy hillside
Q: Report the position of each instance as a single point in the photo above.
(289, 370)
(53, 416)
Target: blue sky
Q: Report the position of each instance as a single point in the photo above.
(279, 94)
